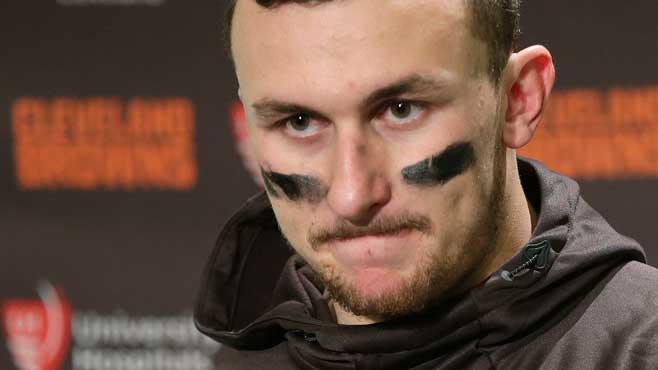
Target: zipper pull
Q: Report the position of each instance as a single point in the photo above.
(535, 257)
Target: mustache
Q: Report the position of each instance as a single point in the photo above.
(383, 226)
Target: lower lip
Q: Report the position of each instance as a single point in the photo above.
(373, 250)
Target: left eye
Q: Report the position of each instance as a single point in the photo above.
(402, 112)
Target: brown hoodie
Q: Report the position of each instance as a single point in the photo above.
(577, 296)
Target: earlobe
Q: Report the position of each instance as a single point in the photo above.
(527, 81)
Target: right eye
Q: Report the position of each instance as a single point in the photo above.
(301, 125)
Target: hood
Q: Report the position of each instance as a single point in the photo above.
(255, 293)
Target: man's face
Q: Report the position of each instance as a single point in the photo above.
(378, 132)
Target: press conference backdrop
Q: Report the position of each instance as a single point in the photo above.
(119, 155)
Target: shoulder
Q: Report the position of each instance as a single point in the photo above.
(618, 329)
(634, 285)
(628, 303)
(228, 358)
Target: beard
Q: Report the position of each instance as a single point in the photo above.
(439, 278)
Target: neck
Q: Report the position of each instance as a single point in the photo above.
(519, 219)
(345, 317)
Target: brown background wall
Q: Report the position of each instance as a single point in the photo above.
(118, 165)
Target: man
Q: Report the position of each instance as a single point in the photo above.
(386, 132)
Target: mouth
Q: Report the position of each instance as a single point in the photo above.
(373, 250)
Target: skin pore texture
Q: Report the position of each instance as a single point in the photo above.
(387, 151)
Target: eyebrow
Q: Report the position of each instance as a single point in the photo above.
(269, 109)
(413, 84)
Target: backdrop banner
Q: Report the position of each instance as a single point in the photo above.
(122, 151)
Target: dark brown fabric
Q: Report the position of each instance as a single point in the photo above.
(578, 296)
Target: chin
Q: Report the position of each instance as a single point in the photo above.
(377, 292)
(374, 283)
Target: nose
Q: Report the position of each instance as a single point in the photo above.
(359, 187)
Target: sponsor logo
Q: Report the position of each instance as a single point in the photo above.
(119, 341)
(104, 143)
(38, 331)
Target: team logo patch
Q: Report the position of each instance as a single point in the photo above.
(38, 331)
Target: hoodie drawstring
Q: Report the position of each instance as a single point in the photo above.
(536, 258)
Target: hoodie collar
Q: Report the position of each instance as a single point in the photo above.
(571, 248)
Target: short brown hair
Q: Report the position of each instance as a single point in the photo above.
(495, 22)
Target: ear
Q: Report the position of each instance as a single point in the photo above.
(527, 81)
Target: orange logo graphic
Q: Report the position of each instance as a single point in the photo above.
(38, 332)
(104, 143)
(593, 134)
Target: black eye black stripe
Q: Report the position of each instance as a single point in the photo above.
(442, 167)
(436, 170)
(295, 187)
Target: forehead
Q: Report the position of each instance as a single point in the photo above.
(344, 45)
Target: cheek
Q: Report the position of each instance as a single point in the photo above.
(455, 209)
(294, 224)
(266, 145)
